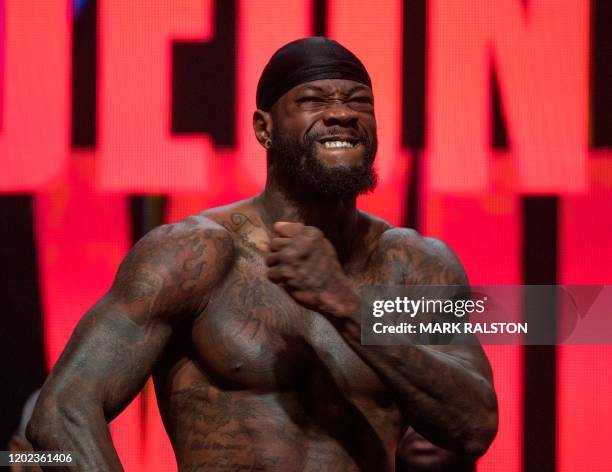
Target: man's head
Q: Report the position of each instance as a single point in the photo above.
(316, 118)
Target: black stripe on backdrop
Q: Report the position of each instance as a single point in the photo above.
(601, 73)
(540, 241)
(21, 329)
(84, 76)
(204, 80)
(319, 15)
(414, 76)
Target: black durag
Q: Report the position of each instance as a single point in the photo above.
(306, 60)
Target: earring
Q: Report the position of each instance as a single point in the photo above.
(268, 143)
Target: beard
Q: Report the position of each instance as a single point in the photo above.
(294, 164)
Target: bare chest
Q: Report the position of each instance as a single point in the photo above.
(253, 335)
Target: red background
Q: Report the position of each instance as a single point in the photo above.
(469, 191)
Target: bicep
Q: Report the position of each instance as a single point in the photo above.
(166, 277)
(470, 355)
(471, 358)
(439, 265)
(109, 356)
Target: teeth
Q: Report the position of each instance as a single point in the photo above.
(338, 144)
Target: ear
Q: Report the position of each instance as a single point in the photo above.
(262, 125)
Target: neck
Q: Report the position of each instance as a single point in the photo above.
(337, 219)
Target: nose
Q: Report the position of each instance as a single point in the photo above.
(337, 112)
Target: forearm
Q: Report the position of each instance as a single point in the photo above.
(444, 397)
(446, 402)
(75, 426)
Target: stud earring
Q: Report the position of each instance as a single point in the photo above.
(268, 143)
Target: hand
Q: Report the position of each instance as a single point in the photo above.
(306, 265)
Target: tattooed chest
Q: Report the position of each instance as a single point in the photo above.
(250, 332)
(253, 335)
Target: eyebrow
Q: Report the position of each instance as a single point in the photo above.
(314, 87)
(357, 88)
(351, 91)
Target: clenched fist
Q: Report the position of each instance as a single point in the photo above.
(306, 265)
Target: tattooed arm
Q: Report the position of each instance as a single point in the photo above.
(444, 392)
(165, 278)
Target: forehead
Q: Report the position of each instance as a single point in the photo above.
(330, 87)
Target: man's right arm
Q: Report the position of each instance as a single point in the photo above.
(166, 278)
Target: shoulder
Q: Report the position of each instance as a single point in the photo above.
(185, 240)
(175, 265)
(423, 260)
(234, 215)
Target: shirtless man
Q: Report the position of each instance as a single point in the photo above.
(248, 315)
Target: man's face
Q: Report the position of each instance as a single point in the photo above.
(324, 139)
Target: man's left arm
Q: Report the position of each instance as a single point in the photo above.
(444, 392)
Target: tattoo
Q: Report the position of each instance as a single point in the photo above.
(166, 276)
(193, 265)
(144, 287)
(202, 412)
(237, 221)
(412, 260)
(243, 226)
(173, 269)
(252, 309)
(253, 336)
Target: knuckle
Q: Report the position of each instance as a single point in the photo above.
(290, 253)
(302, 245)
(313, 232)
(296, 228)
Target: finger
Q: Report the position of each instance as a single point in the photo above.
(312, 232)
(279, 243)
(303, 296)
(279, 274)
(273, 259)
(287, 229)
(287, 255)
(275, 275)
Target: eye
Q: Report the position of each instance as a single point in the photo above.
(362, 103)
(362, 99)
(311, 103)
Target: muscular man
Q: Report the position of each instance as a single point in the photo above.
(248, 315)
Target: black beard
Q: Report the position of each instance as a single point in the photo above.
(294, 164)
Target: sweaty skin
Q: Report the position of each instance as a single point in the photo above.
(247, 318)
